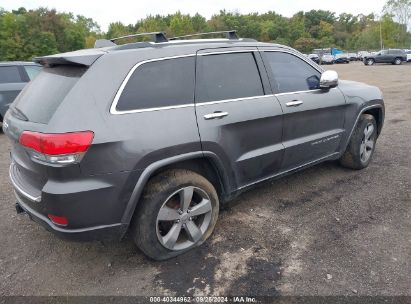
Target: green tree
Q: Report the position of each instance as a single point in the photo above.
(401, 11)
(181, 24)
(28, 33)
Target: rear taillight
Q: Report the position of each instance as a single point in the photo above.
(58, 220)
(63, 148)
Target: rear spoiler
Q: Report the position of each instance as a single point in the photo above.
(83, 57)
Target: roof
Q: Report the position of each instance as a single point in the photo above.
(170, 48)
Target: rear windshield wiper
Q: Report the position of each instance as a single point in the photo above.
(17, 113)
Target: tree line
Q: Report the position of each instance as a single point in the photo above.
(25, 34)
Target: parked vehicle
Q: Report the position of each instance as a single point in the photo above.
(315, 58)
(362, 54)
(167, 132)
(13, 77)
(327, 59)
(408, 56)
(341, 58)
(353, 56)
(392, 56)
(332, 51)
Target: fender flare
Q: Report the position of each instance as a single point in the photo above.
(374, 106)
(149, 170)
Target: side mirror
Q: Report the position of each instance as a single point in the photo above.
(329, 80)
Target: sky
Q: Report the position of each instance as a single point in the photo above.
(129, 12)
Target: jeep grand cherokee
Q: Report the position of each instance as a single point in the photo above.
(152, 137)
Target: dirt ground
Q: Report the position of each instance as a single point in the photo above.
(324, 231)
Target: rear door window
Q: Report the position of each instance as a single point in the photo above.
(10, 74)
(290, 73)
(162, 83)
(227, 76)
(40, 99)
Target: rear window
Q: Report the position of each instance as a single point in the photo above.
(10, 74)
(40, 99)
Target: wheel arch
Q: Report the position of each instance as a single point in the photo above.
(376, 110)
(204, 163)
(378, 114)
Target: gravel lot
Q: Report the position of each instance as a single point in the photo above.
(323, 231)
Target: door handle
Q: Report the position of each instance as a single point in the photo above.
(294, 103)
(217, 114)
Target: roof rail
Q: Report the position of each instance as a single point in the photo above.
(231, 35)
(158, 36)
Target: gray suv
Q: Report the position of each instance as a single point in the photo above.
(151, 138)
(393, 56)
(13, 77)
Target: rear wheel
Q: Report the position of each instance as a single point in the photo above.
(361, 147)
(178, 212)
(397, 61)
(369, 62)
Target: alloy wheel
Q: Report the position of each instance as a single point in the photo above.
(184, 218)
(367, 143)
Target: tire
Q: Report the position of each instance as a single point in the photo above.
(160, 216)
(397, 61)
(369, 62)
(355, 157)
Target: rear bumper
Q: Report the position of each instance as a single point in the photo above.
(103, 232)
(83, 205)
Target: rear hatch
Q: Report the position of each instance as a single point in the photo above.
(32, 111)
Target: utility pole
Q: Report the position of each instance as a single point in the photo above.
(381, 44)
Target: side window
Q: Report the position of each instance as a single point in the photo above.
(384, 52)
(227, 76)
(10, 74)
(291, 74)
(32, 70)
(161, 83)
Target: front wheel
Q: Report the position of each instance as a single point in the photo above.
(178, 212)
(361, 147)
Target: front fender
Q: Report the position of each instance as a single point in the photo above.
(359, 98)
(353, 114)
